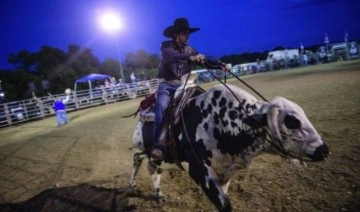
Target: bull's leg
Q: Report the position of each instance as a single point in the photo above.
(155, 173)
(209, 182)
(138, 158)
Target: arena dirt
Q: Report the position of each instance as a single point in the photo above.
(86, 165)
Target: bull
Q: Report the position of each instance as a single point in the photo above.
(222, 130)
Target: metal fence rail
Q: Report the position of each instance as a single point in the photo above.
(37, 108)
(16, 112)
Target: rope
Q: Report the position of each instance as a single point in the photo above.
(278, 145)
(220, 65)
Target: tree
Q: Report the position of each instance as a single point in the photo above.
(23, 60)
(278, 48)
(244, 57)
(111, 67)
(15, 83)
(142, 64)
(47, 60)
(154, 61)
(79, 62)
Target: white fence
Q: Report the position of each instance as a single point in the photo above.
(16, 112)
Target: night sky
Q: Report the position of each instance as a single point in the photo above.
(227, 26)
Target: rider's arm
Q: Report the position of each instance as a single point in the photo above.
(67, 98)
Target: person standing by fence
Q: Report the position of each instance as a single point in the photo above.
(305, 59)
(60, 110)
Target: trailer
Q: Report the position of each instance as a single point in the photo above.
(283, 54)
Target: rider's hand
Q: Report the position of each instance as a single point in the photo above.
(197, 58)
(226, 67)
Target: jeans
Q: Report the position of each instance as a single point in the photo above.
(61, 117)
(165, 93)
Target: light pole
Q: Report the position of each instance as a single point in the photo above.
(111, 23)
(120, 66)
(327, 41)
(347, 45)
(2, 94)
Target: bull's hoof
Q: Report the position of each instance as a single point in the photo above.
(160, 199)
(134, 191)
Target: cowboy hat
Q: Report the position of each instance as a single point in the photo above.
(180, 24)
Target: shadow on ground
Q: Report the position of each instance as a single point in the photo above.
(75, 198)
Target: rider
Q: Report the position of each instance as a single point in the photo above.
(177, 58)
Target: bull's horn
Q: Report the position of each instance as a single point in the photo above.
(272, 120)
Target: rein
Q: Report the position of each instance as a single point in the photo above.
(220, 64)
(184, 127)
(277, 144)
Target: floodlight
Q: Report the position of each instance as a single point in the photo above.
(110, 22)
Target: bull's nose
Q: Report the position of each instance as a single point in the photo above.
(320, 153)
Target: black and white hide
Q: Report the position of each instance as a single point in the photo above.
(224, 130)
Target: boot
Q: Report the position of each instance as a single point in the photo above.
(158, 152)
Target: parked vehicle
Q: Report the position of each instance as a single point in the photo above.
(204, 76)
(15, 110)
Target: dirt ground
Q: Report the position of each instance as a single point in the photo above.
(86, 165)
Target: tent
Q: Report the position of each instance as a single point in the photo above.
(89, 78)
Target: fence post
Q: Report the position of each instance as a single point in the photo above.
(76, 102)
(41, 108)
(7, 114)
(104, 95)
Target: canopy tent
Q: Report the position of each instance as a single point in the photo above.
(89, 78)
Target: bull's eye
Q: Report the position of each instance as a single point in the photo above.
(291, 122)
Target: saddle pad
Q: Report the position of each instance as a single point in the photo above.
(147, 115)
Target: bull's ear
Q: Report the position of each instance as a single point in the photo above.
(291, 122)
(255, 120)
(258, 119)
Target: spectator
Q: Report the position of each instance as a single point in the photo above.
(258, 65)
(107, 83)
(305, 59)
(132, 77)
(270, 62)
(121, 84)
(60, 110)
(113, 81)
(133, 80)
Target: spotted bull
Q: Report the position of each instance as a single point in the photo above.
(222, 130)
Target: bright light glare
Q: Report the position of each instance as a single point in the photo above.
(110, 22)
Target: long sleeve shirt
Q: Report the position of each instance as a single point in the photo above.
(60, 104)
(175, 61)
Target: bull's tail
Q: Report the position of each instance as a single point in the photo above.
(133, 114)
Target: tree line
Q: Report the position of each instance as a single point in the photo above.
(52, 70)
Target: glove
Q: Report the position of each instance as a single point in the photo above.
(226, 67)
(197, 58)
